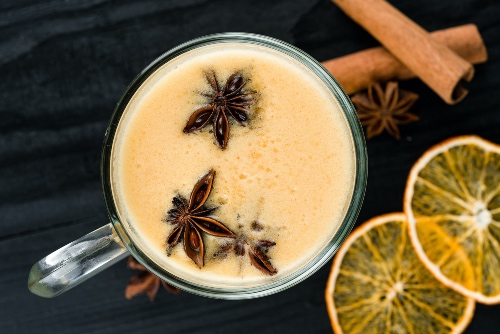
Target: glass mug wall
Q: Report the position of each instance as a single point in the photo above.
(331, 147)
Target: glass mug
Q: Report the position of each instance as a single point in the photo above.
(87, 256)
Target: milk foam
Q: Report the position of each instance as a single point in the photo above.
(292, 169)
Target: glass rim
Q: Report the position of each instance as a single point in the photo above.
(356, 198)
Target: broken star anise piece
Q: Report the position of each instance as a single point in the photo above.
(261, 261)
(380, 109)
(191, 220)
(145, 282)
(256, 252)
(225, 102)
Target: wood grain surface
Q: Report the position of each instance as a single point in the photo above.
(64, 65)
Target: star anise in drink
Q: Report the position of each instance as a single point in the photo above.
(145, 282)
(191, 219)
(380, 109)
(227, 101)
(256, 250)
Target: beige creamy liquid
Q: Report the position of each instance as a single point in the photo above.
(292, 169)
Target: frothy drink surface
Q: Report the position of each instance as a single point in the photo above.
(291, 169)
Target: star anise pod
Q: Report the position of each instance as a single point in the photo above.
(256, 252)
(225, 102)
(145, 282)
(191, 219)
(259, 258)
(380, 109)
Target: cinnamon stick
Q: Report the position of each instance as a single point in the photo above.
(434, 63)
(358, 70)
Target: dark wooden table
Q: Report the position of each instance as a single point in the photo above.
(65, 63)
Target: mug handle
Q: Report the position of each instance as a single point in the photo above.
(76, 262)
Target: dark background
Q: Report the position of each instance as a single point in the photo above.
(64, 66)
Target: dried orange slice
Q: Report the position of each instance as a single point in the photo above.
(452, 203)
(378, 285)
